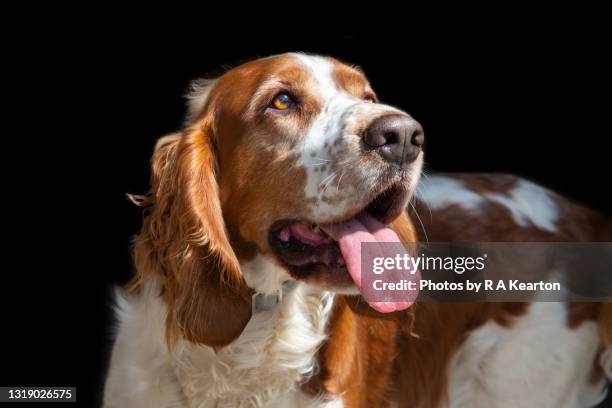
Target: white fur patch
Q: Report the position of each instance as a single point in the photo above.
(530, 204)
(300, 400)
(264, 275)
(265, 365)
(140, 373)
(536, 362)
(324, 130)
(439, 192)
(271, 357)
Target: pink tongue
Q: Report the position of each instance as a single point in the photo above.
(306, 235)
(350, 234)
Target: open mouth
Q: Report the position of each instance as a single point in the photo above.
(325, 253)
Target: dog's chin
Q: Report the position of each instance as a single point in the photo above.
(311, 255)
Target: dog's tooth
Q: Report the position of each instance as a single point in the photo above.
(284, 235)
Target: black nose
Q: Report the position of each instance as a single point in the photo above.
(398, 138)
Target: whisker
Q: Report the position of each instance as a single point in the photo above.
(316, 164)
(319, 161)
(420, 221)
(340, 179)
(328, 184)
(326, 178)
(427, 179)
(344, 167)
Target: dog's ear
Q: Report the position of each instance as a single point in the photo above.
(184, 241)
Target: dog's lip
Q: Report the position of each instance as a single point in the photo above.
(393, 199)
(385, 205)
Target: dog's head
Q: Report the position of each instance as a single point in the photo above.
(278, 155)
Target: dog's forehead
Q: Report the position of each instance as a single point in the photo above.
(323, 81)
(330, 75)
(324, 75)
(320, 72)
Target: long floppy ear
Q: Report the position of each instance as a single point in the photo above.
(184, 242)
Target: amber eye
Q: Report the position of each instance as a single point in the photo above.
(282, 101)
(370, 97)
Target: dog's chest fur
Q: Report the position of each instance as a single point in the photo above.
(263, 367)
(269, 360)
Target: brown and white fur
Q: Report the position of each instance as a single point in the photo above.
(187, 335)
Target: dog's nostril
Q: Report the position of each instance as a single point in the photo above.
(418, 138)
(391, 138)
(374, 139)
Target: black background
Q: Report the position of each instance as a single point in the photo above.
(507, 100)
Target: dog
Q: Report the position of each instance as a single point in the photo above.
(246, 288)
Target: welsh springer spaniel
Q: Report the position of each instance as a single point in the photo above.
(245, 292)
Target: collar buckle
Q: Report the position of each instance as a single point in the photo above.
(268, 301)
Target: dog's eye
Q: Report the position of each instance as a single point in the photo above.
(370, 97)
(282, 101)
